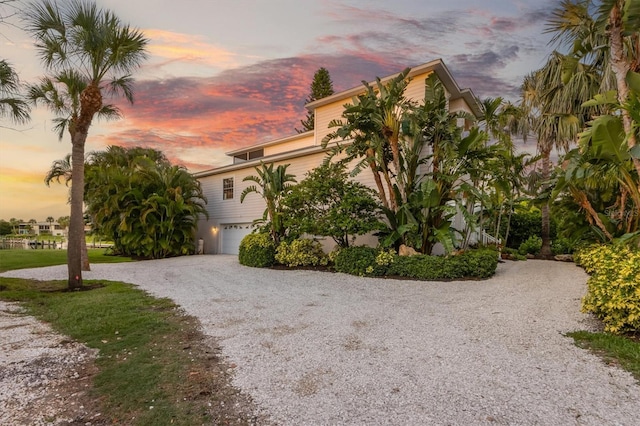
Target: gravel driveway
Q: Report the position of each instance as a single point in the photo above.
(323, 348)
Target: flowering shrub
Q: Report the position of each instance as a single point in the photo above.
(613, 290)
(301, 252)
(257, 250)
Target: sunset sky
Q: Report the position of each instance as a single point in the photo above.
(223, 74)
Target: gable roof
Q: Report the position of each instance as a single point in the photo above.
(436, 66)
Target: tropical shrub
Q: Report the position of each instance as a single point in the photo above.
(524, 224)
(481, 263)
(301, 252)
(613, 290)
(562, 246)
(532, 245)
(356, 260)
(137, 199)
(471, 264)
(328, 204)
(257, 250)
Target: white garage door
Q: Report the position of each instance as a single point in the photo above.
(232, 234)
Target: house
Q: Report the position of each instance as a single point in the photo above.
(40, 228)
(230, 220)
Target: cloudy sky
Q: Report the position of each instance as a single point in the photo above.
(224, 74)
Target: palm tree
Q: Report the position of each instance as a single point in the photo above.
(12, 106)
(15, 223)
(88, 51)
(607, 39)
(50, 221)
(272, 185)
(63, 221)
(553, 109)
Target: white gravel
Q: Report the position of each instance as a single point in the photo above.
(40, 371)
(324, 349)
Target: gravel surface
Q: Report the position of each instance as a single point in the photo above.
(42, 373)
(326, 348)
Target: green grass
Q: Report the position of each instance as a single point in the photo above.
(143, 359)
(21, 259)
(619, 350)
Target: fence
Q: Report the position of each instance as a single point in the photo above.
(25, 243)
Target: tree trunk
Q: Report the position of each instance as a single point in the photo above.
(76, 222)
(621, 67)
(545, 251)
(90, 104)
(85, 255)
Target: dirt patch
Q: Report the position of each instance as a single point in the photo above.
(47, 379)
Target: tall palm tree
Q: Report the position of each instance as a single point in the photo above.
(604, 34)
(12, 106)
(50, 221)
(553, 109)
(87, 51)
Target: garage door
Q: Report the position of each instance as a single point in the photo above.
(232, 234)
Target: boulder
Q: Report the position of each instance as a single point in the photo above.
(407, 251)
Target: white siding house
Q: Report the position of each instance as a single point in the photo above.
(229, 220)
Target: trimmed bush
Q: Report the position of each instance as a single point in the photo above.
(257, 250)
(369, 261)
(301, 252)
(358, 260)
(613, 290)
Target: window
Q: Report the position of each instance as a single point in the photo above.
(227, 189)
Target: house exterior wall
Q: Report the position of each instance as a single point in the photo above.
(303, 153)
(288, 146)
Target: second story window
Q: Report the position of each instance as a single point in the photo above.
(227, 188)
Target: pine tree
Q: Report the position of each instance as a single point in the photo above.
(321, 87)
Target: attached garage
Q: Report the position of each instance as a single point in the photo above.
(232, 234)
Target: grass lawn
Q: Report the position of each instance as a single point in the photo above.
(22, 259)
(150, 353)
(623, 351)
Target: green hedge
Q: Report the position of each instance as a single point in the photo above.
(257, 250)
(369, 261)
(613, 290)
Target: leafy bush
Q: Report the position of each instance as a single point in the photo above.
(613, 290)
(257, 250)
(532, 245)
(368, 261)
(356, 260)
(562, 246)
(473, 263)
(525, 224)
(512, 254)
(301, 252)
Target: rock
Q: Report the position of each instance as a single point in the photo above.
(564, 257)
(407, 251)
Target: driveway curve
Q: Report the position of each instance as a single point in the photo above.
(324, 348)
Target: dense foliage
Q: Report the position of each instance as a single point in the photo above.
(613, 293)
(327, 204)
(425, 167)
(146, 206)
(481, 263)
(257, 250)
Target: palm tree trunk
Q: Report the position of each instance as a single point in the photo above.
(545, 251)
(621, 67)
(85, 255)
(76, 222)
